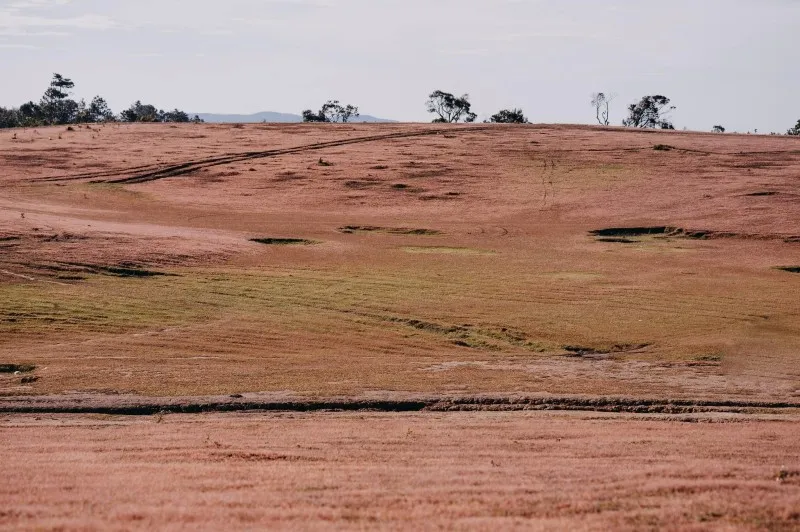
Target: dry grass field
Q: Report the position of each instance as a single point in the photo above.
(462, 471)
(306, 263)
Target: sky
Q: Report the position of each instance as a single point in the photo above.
(727, 62)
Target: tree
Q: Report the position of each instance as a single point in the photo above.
(311, 116)
(99, 111)
(448, 108)
(718, 129)
(175, 115)
(512, 116)
(56, 105)
(139, 112)
(332, 111)
(30, 114)
(82, 114)
(8, 118)
(602, 107)
(335, 112)
(795, 131)
(59, 88)
(649, 113)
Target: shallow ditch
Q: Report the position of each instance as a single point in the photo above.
(17, 368)
(762, 194)
(633, 231)
(577, 351)
(350, 229)
(119, 271)
(283, 241)
(71, 271)
(629, 235)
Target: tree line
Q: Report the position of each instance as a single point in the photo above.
(650, 112)
(57, 107)
(447, 108)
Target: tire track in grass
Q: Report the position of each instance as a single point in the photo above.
(146, 406)
(155, 173)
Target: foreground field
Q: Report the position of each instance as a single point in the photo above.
(400, 471)
(441, 260)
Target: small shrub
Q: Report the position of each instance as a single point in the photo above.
(323, 162)
(662, 147)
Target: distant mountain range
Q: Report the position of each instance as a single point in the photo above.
(269, 116)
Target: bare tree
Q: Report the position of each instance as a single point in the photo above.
(602, 105)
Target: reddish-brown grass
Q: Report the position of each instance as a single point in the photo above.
(418, 472)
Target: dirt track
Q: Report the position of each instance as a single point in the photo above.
(132, 405)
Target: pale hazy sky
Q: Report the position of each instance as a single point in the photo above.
(729, 62)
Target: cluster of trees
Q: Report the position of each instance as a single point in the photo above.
(450, 109)
(651, 112)
(447, 108)
(139, 112)
(331, 111)
(57, 107)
